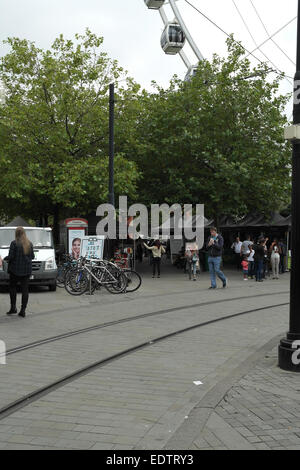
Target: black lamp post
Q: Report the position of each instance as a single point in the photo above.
(111, 191)
(287, 345)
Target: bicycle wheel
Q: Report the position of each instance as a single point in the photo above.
(77, 282)
(134, 280)
(118, 284)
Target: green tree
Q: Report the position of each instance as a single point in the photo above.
(54, 128)
(217, 139)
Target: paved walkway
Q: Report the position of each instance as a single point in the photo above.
(149, 400)
(259, 409)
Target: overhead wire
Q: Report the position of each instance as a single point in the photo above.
(253, 39)
(246, 26)
(276, 71)
(274, 34)
(266, 30)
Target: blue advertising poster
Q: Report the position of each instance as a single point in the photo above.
(92, 247)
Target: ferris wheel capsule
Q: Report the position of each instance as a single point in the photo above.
(172, 39)
(191, 73)
(154, 4)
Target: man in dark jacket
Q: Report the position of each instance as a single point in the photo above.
(214, 246)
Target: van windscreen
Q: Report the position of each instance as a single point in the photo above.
(39, 238)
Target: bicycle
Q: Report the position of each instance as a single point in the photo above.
(134, 280)
(94, 274)
(63, 269)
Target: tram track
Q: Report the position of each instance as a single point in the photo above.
(99, 326)
(129, 298)
(32, 397)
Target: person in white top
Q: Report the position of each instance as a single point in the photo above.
(275, 251)
(157, 251)
(236, 247)
(245, 250)
(251, 270)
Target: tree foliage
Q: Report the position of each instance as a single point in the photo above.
(54, 127)
(217, 139)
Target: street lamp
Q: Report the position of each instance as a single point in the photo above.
(111, 191)
(287, 353)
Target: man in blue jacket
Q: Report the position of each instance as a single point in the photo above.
(214, 246)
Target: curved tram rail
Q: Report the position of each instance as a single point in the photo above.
(99, 326)
(41, 392)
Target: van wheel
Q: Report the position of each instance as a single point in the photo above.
(52, 287)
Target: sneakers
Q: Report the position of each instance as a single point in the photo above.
(212, 287)
(225, 284)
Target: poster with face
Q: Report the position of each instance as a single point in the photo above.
(92, 247)
(75, 237)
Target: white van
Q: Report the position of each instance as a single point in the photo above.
(44, 268)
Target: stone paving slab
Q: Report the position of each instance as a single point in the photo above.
(33, 369)
(252, 414)
(147, 423)
(143, 400)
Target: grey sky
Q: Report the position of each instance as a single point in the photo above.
(132, 32)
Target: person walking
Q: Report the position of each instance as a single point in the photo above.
(236, 247)
(275, 251)
(19, 268)
(157, 252)
(214, 246)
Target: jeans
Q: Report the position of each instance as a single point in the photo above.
(259, 264)
(251, 270)
(13, 281)
(192, 268)
(214, 269)
(156, 263)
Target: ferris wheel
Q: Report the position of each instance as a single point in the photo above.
(175, 34)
